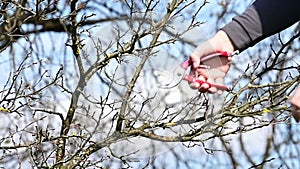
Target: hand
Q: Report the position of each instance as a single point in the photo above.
(295, 101)
(218, 66)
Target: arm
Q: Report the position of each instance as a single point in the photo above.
(262, 19)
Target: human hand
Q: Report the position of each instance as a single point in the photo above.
(219, 66)
(295, 101)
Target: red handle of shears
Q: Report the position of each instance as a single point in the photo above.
(187, 63)
(192, 79)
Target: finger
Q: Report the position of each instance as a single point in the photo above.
(194, 85)
(219, 92)
(195, 59)
(195, 74)
(212, 89)
(205, 86)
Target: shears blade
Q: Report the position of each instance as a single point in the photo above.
(180, 73)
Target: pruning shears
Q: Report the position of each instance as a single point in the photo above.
(181, 72)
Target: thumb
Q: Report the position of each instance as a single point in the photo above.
(195, 60)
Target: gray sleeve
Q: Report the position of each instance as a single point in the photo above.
(262, 19)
